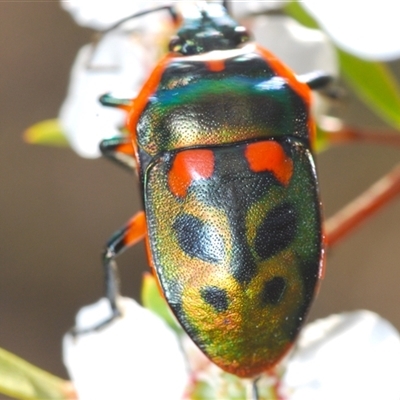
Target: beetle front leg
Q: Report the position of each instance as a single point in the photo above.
(130, 234)
(120, 151)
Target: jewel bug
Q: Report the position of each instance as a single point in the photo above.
(222, 139)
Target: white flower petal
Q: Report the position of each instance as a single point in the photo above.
(197, 360)
(367, 29)
(100, 14)
(349, 356)
(241, 9)
(135, 357)
(116, 64)
(302, 49)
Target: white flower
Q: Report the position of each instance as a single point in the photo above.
(116, 64)
(348, 356)
(302, 49)
(244, 8)
(119, 63)
(135, 357)
(354, 355)
(367, 29)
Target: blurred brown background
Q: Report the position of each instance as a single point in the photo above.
(57, 210)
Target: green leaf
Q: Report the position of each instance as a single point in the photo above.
(375, 84)
(296, 11)
(47, 132)
(152, 299)
(22, 380)
(372, 81)
(322, 142)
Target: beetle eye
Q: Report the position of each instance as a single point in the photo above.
(199, 239)
(175, 44)
(241, 34)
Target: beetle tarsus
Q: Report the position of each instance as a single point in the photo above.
(109, 100)
(324, 83)
(111, 283)
(316, 80)
(169, 8)
(254, 390)
(95, 328)
(112, 294)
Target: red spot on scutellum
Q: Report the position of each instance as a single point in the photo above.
(189, 166)
(270, 156)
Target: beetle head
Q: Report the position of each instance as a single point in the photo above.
(206, 29)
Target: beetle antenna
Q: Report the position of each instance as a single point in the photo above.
(225, 3)
(170, 9)
(173, 13)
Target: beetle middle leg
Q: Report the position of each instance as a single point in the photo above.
(120, 151)
(130, 234)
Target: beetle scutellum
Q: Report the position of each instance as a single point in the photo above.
(221, 137)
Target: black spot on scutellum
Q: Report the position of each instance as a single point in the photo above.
(277, 231)
(273, 290)
(198, 239)
(215, 297)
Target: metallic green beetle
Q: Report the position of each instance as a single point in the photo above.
(221, 136)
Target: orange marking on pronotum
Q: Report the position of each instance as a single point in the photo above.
(189, 166)
(282, 70)
(270, 156)
(148, 89)
(215, 65)
(139, 104)
(299, 87)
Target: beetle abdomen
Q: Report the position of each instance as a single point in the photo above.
(235, 237)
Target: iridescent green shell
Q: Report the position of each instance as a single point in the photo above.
(235, 243)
